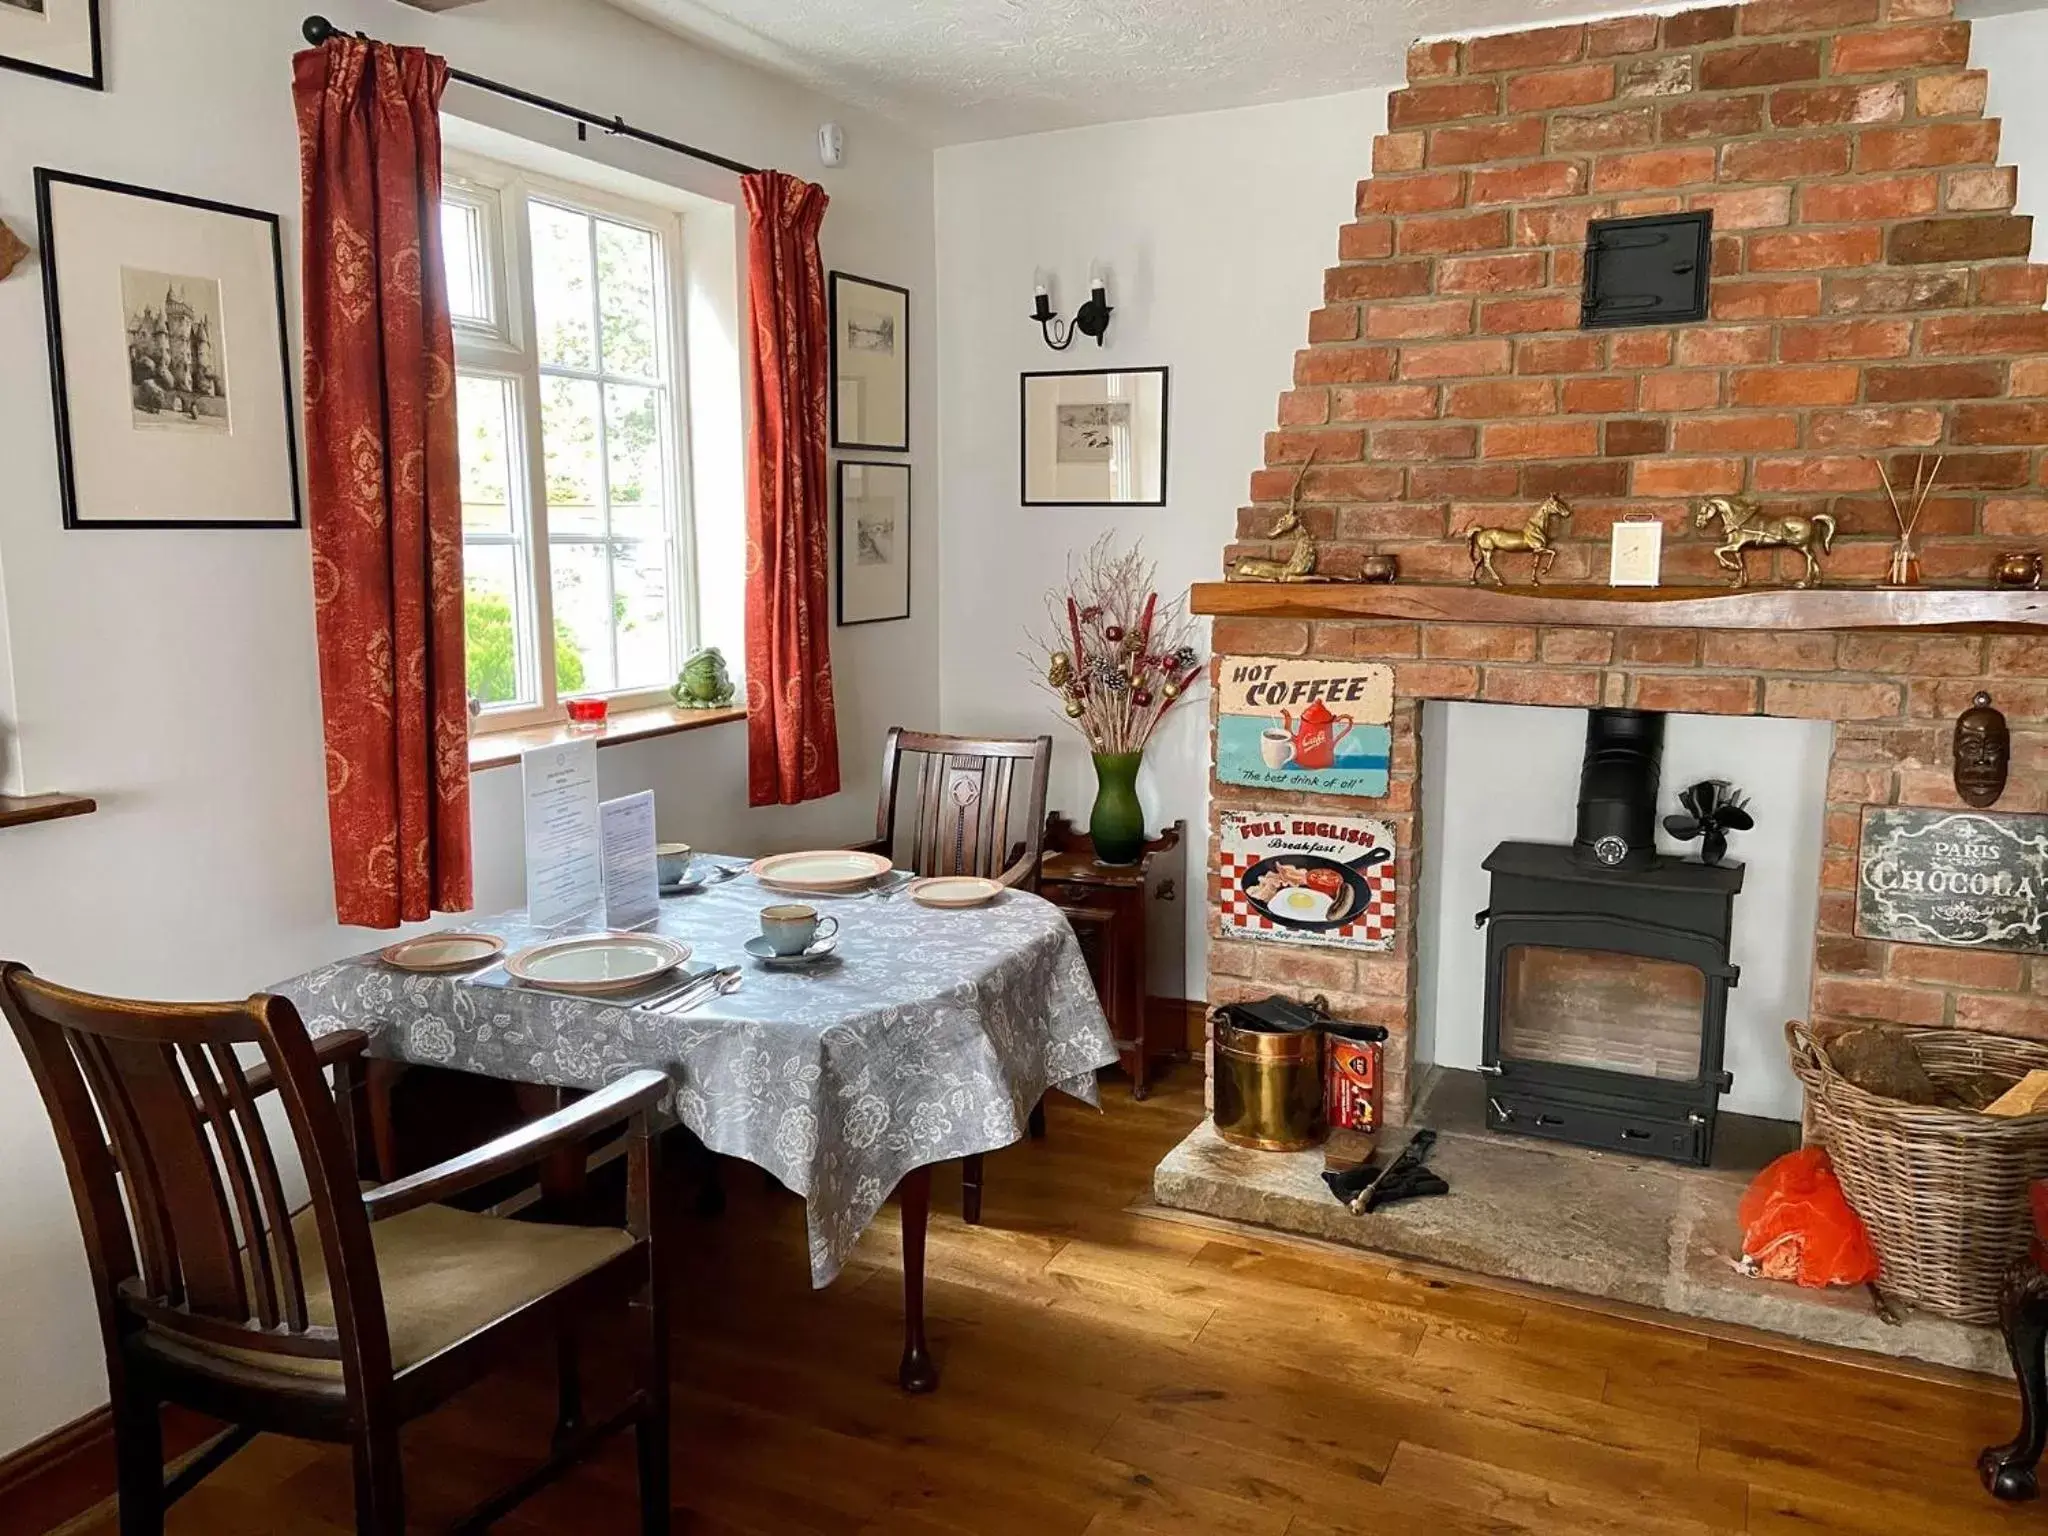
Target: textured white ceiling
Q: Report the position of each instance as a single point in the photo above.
(958, 70)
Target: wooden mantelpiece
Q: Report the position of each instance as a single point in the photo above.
(1631, 607)
(23, 810)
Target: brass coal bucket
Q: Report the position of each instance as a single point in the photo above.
(1269, 1086)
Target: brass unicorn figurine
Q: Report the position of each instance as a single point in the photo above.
(1532, 538)
(1744, 528)
(1301, 564)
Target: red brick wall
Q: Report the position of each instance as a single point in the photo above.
(1871, 298)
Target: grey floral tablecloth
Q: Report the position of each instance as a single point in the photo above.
(927, 1036)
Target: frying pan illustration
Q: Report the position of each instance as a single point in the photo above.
(1350, 901)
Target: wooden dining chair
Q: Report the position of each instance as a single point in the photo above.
(346, 1319)
(961, 820)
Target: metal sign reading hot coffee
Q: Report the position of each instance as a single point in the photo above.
(1309, 725)
(1973, 879)
(1296, 877)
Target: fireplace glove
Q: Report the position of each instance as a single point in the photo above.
(1372, 1184)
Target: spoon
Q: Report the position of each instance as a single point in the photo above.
(721, 982)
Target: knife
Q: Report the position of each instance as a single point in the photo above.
(692, 990)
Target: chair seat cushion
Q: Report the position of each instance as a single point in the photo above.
(445, 1274)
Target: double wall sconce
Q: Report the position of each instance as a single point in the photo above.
(1091, 319)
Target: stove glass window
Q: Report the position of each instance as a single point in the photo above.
(1600, 1008)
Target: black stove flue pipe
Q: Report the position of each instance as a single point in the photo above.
(1618, 787)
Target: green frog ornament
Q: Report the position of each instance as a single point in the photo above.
(703, 683)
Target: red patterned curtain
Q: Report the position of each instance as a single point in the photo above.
(386, 502)
(792, 732)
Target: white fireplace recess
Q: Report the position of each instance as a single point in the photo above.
(1492, 772)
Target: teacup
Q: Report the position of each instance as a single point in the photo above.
(792, 928)
(672, 861)
(1276, 747)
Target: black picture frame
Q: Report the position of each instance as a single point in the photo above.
(45, 179)
(96, 81)
(839, 538)
(1024, 379)
(833, 282)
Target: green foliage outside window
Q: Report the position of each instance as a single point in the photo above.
(493, 655)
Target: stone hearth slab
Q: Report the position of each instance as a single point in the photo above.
(1571, 1219)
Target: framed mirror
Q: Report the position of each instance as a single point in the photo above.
(1094, 437)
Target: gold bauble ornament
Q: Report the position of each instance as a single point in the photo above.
(1058, 669)
(1171, 690)
(1074, 709)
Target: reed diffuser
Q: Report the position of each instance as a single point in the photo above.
(1117, 659)
(1903, 569)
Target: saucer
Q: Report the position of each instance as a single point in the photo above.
(757, 946)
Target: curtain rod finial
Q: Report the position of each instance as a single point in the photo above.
(317, 30)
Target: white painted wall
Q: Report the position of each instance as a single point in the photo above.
(1498, 771)
(1213, 230)
(2011, 44)
(173, 674)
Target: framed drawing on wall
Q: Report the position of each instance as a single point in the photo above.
(870, 363)
(874, 542)
(57, 39)
(169, 358)
(1094, 438)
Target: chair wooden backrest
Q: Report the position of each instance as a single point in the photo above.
(963, 804)
(178, 1190)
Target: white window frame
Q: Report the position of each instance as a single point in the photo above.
(507, 348)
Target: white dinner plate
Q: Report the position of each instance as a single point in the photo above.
(597, 963)
(454, 950)
(954, 891)
(826, 869)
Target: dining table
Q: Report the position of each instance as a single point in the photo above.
(925, 1035)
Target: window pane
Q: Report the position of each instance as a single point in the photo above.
(625, 287)
(493, 615)
(632, 426)
(641, 611)
(483, 411)
(562, 290)
(571, 448)
(583, 618)
(464, 255)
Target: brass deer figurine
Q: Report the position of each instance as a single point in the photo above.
(1532, 538)
(1743, 528)
(1299, 566)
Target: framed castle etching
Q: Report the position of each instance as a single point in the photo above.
(169, 361)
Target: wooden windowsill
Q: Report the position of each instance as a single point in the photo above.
(1632, 607)
(23, 810)
(501, 749)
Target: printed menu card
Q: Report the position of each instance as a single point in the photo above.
(632, 884)
(563, 853)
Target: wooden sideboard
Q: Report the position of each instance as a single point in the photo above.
(1110, 906)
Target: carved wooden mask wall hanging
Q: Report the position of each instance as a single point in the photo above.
(1983, 749)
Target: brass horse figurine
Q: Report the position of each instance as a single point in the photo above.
(1743, 528)
(1532, 538)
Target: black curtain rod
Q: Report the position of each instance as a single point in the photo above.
(318, 29)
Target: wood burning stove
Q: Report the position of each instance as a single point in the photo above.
(1607, 969)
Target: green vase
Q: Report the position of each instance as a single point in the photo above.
(1118, 822)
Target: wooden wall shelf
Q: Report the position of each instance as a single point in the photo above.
(1630, 607)
(22, 810)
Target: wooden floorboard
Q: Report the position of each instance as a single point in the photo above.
(1110, 1374)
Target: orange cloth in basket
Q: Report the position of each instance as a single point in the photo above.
(1797, 1224)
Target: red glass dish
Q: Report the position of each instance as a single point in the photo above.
(588, 713)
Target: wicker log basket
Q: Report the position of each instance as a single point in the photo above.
(1943, 1192)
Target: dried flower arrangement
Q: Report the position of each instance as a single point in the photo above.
(1116, 658)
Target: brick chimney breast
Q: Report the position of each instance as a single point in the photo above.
(1872, 297)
